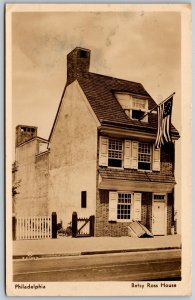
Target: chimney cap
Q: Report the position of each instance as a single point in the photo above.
(27, 126)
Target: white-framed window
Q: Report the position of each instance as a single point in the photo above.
(128, 154)
(115, 153)
(138, 104)
(124, 206)
(144, 156)
(138, 108)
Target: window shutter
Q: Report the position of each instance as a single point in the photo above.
(113, 197)
(127, 154)
(156, 159)
(134, 160)
(137, 206)
(103, 151)
(145, 119)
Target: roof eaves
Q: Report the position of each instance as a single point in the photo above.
(125, 125)
(136, 127)
(56, 116)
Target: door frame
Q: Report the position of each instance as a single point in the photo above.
(165, 211)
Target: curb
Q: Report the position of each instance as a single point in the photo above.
(36, 256)
(128, 250)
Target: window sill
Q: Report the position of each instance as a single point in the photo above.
(142, 120)
(122, 169)
(119, 168)
(124, 220)
(141, 170)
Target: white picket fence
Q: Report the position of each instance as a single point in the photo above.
(33, 228)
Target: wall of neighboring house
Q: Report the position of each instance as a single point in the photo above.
(31, 199)
(42, 178)
(73, 150)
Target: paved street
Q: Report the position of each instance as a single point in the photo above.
(150, 265)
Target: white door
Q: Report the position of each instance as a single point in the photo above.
(159, 218)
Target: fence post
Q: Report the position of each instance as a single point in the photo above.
(14, 228)
(92, 223)
(54, 225)
(74, 224)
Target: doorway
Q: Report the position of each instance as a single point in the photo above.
(159, 214)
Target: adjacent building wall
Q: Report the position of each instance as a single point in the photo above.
(31, 199)
(73, 153)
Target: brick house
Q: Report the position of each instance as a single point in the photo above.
(100, 158)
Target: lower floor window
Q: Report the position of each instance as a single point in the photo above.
(124, 206)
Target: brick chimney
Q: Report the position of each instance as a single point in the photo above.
(25, 133)
(78, 62)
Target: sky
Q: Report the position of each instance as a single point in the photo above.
(137, 46)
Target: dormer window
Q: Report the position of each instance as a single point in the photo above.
(134, 107)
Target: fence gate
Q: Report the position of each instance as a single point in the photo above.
(32, 228)
(82, 227)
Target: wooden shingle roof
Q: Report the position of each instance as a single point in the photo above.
(100, 89)
(134, 175)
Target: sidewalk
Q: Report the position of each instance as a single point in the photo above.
(66, 246)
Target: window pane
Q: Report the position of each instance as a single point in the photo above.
(139, 103)
(144, 156)
(124, 206)
(115, 153)
(159, 197)
(137, 114)
(115, 163)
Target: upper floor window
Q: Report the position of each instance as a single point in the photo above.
(144, 156)
(134, 107)
(115, 153)
(129, 154)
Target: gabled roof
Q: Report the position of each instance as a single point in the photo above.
(100, 89)
(100, 92)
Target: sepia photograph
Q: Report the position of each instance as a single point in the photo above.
(98, 159)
